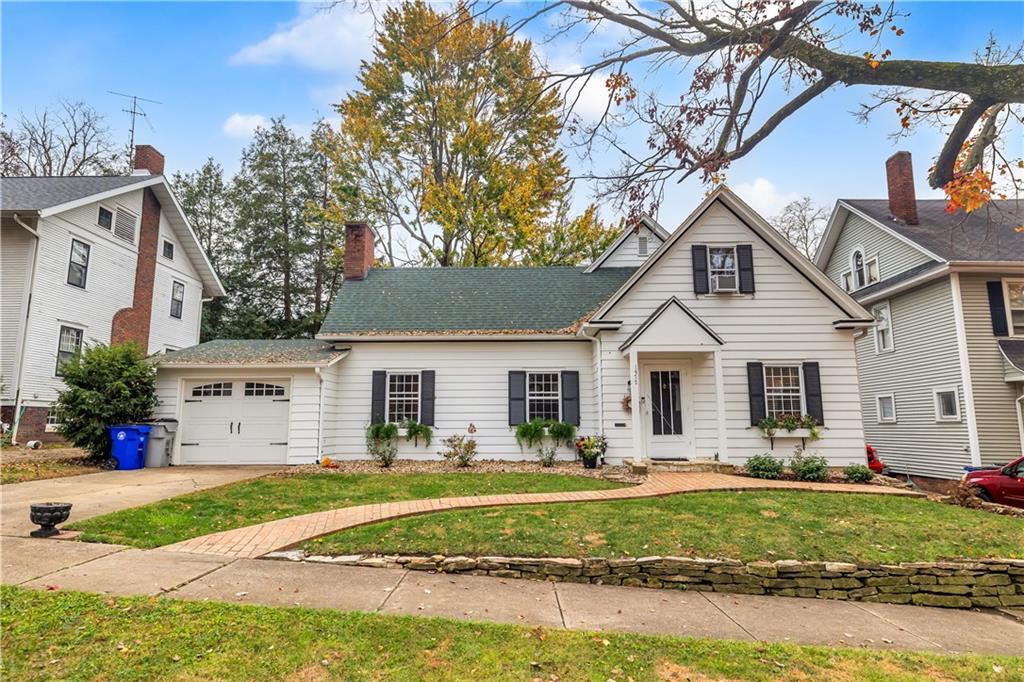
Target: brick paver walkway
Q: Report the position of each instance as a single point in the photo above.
(257, 540)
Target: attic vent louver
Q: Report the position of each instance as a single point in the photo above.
(641, 246)
(124, 225)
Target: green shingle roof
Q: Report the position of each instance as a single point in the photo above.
(254, 352)
(406, 301)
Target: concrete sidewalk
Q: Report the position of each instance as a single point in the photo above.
(110, 491)
(111, 569)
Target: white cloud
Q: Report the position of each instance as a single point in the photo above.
(243, 125)
(333, 39)
(764, 197)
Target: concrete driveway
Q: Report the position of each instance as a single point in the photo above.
(110, 491)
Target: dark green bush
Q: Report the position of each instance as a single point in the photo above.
(858, 473)
(765, 466)
(381, 442)
(106, 385)
(809, 468)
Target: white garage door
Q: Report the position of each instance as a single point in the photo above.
(232, 421)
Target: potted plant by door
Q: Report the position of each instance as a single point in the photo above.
(590, 449)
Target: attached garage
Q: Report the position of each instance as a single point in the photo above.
(247, 402)
(235, 421)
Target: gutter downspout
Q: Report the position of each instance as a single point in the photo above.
(24, 331)
(598, 376)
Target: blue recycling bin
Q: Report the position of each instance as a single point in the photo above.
(128, 445)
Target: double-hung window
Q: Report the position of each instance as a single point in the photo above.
(403, 399)
(1015, 306)
(782, 390)
(883, 328)
(543, 396)
(722, 268)
(78, 264)
(177, 299)
(947, 404)
(69, 345)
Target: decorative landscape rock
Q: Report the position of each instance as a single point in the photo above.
(985, 583)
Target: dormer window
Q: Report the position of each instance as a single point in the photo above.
(863, 271)
(722, 268)
(641, 246)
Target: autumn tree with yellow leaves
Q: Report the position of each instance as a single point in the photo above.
(450, 147)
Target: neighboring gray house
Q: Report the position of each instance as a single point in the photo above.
(942, 373)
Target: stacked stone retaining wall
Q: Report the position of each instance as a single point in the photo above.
(955, 584)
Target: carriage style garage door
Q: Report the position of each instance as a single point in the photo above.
(235, 421)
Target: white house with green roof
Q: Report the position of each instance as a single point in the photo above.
(674, 345)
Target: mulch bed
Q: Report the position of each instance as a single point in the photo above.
(621, 474)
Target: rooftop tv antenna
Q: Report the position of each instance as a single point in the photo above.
(135, 111)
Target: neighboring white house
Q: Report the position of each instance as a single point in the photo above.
(91, 260)
(673, 345)
(942, 375)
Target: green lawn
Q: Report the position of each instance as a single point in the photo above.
(75, 636)
(275, 497)
(749, 526)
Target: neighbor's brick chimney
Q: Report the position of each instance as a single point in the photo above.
(358, 250)
(899, 173)
(148, 158)
(132, 324)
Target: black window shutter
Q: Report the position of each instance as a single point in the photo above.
(701, 285)
(571, 397)
(755, 392)
(997, 308)
(812, 391)
(427, 397)
(380, 379)
(745, 258)
(516, 398)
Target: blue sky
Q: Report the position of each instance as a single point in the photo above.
(220, 68)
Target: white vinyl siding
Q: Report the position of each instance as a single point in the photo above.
(894, 255)
(16, 247)
(164, 329)
(994, 398)
(471, 387)
(54, 304)
(924, 358)
(788, 321)
(628, 254)
(303, 410)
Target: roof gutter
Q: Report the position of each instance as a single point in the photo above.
(986, 267)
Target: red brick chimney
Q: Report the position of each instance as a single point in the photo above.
(899, 173)
(148, 158)
(132, 324)
(358, 250)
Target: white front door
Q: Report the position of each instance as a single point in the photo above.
(235, 421)
(667, 422)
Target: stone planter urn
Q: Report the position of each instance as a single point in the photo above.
(47, 515)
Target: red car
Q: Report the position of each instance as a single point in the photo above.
(1004, 485)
